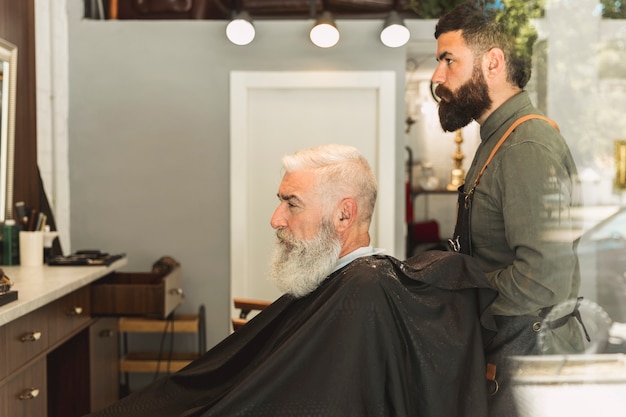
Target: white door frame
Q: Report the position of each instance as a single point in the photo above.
(241, 82)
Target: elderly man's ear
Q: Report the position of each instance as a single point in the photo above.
(345, 214)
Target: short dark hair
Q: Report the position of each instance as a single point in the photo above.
(484, 26)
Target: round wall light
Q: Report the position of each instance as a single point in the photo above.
(394, 33)
(240, 30)
(324, 34)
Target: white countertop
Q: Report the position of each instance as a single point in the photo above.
(40, 285)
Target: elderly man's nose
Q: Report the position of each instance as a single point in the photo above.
(278, 219)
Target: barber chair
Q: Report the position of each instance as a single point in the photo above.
(246, 306)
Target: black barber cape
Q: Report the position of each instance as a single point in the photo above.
(380, 337)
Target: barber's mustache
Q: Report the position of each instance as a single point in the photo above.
(444, 93)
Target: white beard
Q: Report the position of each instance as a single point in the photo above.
(300, 266)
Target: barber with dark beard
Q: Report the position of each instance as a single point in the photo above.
(507, 219)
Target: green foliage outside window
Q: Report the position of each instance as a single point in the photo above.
(515, 17)
(433, 9)
(613, 9)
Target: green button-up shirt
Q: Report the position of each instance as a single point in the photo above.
(521, 229)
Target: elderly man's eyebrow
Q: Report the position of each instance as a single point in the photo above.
(289, 197)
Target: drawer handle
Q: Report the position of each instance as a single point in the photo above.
(107, 333)
(29, 394)
(76, 311)
(176, 291)
(31, 337)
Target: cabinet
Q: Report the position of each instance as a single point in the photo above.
(104, 357)
(56, 360)
(68, 315)
(138, 293)
(89, 362)
(25, 338)
(24, 393)
(45, 347)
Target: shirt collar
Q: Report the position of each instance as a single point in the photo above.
(357, 253)
(510, 110)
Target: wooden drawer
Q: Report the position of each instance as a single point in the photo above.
(26, 337)
(103, 362)
(3, 358)
(137, 294)
(24, 394)
(68, 315)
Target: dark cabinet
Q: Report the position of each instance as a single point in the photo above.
(63, 362)
(103, 363)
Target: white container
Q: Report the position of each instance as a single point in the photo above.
(572, 386)
(31, 248)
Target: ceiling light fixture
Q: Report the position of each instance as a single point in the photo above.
(240, 29)
(324, 34)
(394, 33)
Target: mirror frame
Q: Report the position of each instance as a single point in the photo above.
(8, 59)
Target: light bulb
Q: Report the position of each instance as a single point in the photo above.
(240, 30)
(324, 34)
(395, 35)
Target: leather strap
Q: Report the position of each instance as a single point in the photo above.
(506, 135)
(491, 378)
(491, 367)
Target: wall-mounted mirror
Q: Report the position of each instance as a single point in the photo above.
(8, 86)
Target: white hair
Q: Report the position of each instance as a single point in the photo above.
(343, 172)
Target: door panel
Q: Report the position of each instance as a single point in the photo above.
(273, 114)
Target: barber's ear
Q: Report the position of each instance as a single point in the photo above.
(493, 61)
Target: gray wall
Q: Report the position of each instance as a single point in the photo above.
(149, 136)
